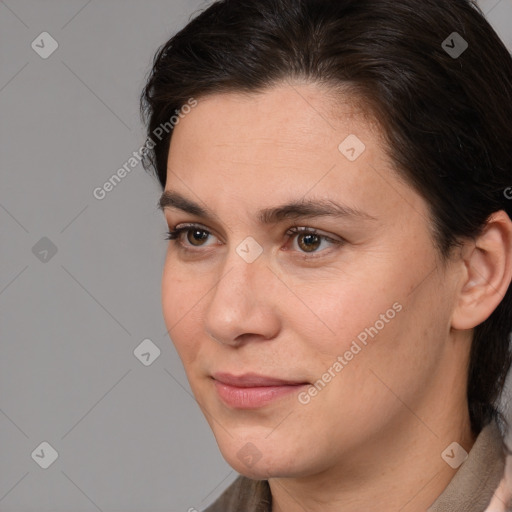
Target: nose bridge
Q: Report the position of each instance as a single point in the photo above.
(242, 272)
(244, 267)
(240, 302)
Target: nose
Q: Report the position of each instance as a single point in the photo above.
(244, 304)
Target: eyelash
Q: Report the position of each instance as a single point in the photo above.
(174, 236)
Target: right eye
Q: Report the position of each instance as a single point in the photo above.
(195, 235)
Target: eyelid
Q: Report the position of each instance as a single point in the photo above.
(314, 231)
(191, 225)
(195, 225)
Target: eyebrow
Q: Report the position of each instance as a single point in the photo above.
(292, 210)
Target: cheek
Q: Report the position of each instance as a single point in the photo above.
(172, 289)
(343, 312)
(181, 311)
(373, 325)
(181, 290)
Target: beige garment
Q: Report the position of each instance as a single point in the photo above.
(473, 486)
(470, 490)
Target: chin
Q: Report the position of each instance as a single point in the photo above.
(267, 462)
(260, 470)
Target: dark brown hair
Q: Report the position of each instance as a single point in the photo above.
(446, 117)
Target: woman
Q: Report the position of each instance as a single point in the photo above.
(337, 184)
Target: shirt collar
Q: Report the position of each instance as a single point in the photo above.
(473, 486)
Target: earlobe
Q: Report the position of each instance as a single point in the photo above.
(487, 274)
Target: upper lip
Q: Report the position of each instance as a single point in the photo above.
(248, 380)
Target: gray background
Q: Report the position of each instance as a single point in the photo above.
(129, 437)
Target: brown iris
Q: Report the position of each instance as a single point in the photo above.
(307, 239)
(201, 235)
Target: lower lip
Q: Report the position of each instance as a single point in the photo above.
(253, 398)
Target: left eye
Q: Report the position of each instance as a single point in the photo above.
(308, 239)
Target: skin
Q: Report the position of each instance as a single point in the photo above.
(376, 432)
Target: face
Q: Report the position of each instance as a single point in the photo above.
(297, 327)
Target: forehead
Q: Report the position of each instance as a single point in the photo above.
(282, 109)
(287, 127)
(278, 145)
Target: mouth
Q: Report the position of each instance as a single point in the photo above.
(252, 391)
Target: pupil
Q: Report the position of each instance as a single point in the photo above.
(202, 235)
(308, 239)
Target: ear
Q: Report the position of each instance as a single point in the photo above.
(487, 273)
